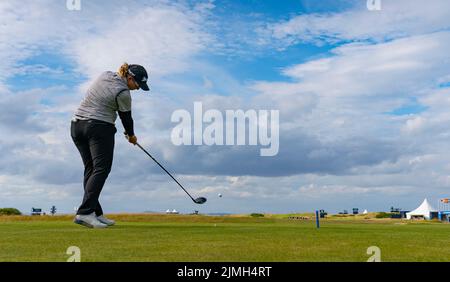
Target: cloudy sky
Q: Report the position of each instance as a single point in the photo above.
(363, 98)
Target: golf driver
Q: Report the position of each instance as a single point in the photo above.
(200, 200)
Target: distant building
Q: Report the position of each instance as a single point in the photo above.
(444, 210)
(422, 212)
(36, 211)
(395, 210)
(174, 211)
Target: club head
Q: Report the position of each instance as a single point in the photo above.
(200, 200)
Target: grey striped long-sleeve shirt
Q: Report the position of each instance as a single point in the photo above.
(108, 95)
(104, 98)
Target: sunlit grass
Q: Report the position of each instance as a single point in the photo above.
(154, 237)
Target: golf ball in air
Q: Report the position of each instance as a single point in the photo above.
(220, 195)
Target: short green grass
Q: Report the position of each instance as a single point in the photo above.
(222, 239)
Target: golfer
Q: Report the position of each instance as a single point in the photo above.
(93, 130)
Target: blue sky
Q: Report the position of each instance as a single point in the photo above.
(362, 96)
(47, 60)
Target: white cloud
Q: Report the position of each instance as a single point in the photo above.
(159, 35)
(162, 38)
(27, 26)
(397, 19)
(38, 69)
(414, 124)
(348, 93)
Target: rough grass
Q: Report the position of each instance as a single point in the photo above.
(156, 237)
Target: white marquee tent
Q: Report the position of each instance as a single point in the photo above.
(423, 210)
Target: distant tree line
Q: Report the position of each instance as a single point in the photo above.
(10, 211)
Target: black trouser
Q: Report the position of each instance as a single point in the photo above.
(95, 141)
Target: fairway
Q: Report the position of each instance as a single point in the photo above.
(198, 238)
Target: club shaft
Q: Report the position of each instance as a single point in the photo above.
(145, 151)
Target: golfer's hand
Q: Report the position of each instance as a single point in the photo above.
(132, 139)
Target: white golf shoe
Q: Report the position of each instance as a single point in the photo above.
(105, 220)
(89, 220)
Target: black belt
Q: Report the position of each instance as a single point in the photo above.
(97, 121)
